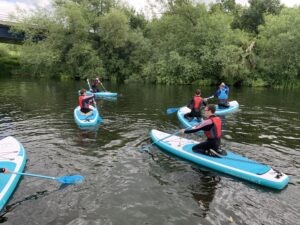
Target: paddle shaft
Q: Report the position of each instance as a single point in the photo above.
(33, 175)
(166, 137)
(161, 139)
(103, 86)
(88, 82)
(73, 179)
(91, 91)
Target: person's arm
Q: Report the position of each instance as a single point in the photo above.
(88, 98)
(217, 93)
(205, 125)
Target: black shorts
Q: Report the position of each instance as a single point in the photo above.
(85, 110)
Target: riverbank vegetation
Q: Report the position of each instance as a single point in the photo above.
(188, 43)
(9, 59)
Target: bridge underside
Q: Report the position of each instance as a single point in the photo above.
(7, 37)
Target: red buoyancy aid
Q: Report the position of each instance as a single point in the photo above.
(216, 130)
(197, 102)
(80, 101)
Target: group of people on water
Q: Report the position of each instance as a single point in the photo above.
(197, 102)
(212, 125)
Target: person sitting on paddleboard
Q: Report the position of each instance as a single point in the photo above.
(95, 84)
(212, 127)
(196, 103)
(84, 101)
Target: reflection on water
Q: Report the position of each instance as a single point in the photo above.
(124, 185)
(204, 188)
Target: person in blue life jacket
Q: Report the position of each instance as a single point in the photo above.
(196, 104)
(222, 93)
(85, 102)
(212, 127)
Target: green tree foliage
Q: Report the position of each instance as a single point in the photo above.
(253, 16)
(189, 43)
(278, 48)
(189, 50)
(8, 59)
(59, 43)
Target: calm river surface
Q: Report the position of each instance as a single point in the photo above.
(125, 186)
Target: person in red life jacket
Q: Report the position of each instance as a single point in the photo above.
(95, 85)
(85, 101)
(212, 127)
(196, 103)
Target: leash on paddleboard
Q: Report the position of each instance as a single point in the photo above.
(12, 206)
(146, 148)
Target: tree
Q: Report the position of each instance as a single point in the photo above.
(253, 16)
(278, 48)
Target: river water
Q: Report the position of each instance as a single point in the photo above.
(124, 185)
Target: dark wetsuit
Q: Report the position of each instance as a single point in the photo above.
(212, 128)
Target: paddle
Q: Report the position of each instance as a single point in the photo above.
(73, 179)
(103, 86)
(173, 110)
(91, 90)
(88, 82)
(146, 148)
(210, 97)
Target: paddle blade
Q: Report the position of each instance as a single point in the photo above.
(74, 179)
(172, 110)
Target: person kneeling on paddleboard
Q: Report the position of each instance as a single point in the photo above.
(195, 105)
(84, 101)
(212, 127)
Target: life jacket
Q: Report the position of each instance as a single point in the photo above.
(223, 93)
(80, 101)
(197, 102)
(216, 130)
